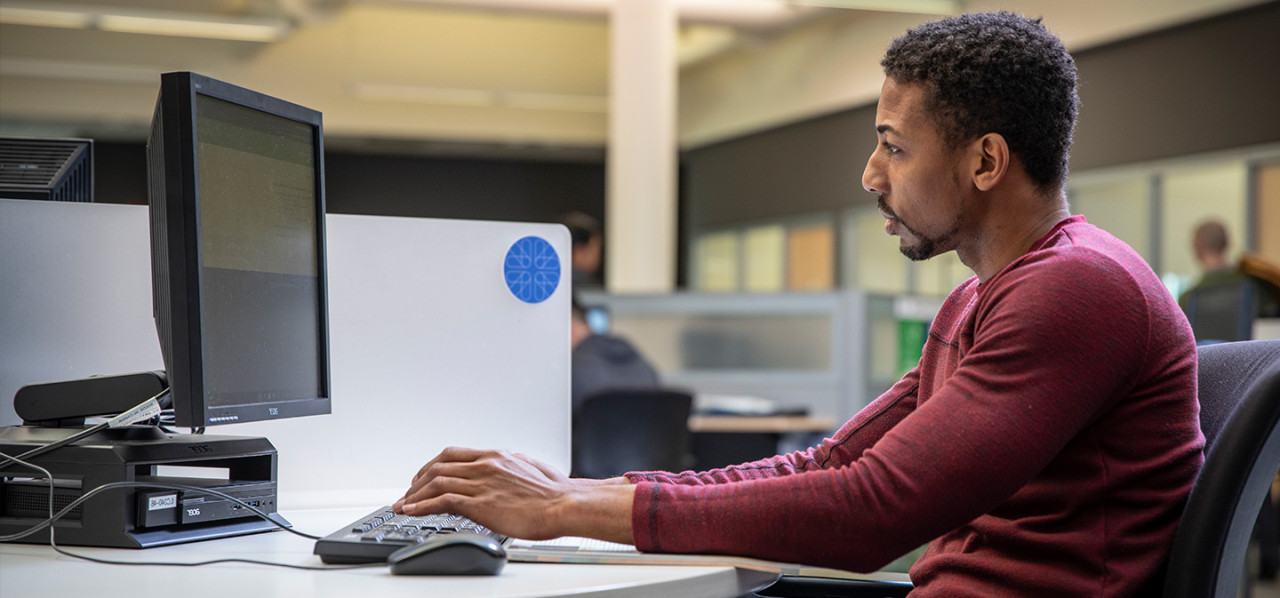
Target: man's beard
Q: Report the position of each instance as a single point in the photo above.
(925, 247)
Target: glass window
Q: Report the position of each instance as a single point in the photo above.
(765, 252)
(679, 341)
(937, 276)
(873, 261)
(1266, 230)
(1191, 196)
(811, 251)
(1121, 207)
(717, 261)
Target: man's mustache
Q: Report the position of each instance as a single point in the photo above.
(884, 208)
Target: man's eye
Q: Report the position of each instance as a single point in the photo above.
(892, 149)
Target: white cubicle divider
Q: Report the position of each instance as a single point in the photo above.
(75, 294)
(428, 346)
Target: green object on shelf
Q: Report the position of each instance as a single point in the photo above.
(911, 337)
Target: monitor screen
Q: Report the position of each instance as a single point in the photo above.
(238, 271)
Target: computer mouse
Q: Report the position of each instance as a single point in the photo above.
(461, 553)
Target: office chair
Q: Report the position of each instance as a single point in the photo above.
(1222, 312)
(616, 431)
(1239, 412)
(1239, 393)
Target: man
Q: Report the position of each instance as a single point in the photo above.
(1210, 242)
(1046, 442)
(603, 362)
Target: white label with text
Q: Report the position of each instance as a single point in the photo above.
(168, 501)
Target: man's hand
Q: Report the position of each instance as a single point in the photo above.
(519, 496)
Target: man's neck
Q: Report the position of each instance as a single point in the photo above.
(1009, 229)
(1213, 262)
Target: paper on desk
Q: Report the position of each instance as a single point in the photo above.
(590, 551)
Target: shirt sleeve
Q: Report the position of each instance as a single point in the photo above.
(1042, 363)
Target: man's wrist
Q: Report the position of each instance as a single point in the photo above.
(601, 511)
(614, 481)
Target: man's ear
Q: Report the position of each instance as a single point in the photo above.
(991, 160)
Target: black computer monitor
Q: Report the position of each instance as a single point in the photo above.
(238, 252)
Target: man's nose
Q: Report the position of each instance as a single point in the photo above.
(873, 176)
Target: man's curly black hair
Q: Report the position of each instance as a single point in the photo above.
(995, 72)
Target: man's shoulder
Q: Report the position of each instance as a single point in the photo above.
(1080, 268)
(1088, 283)
(1084, 254)
(606, 350)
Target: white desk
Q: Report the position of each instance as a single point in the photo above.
(31, 571)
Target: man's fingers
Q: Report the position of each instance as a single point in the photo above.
(445, 503)
(446, 473)
(457, 453)
(445, 479)
(453, 454)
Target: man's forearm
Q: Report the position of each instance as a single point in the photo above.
(601, 510)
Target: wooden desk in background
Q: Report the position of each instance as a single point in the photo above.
(720, 440)
(769, 424)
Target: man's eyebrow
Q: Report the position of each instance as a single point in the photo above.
(882, 129)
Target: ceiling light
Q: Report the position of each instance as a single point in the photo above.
(123, 20)
(237, 30)
(43, 17)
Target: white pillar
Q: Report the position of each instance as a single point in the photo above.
(640, 205)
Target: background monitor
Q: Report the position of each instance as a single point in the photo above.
(236, 195)
(597, 317)
(46, 168)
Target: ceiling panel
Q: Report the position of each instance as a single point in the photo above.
(413, 71)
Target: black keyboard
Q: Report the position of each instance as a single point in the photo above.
(380, 533)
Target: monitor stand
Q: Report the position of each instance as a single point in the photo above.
(241, 466)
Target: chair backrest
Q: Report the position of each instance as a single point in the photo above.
(617, 431)
(1239, 411)
(1222, 312)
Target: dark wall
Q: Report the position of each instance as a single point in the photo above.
(462, 188)
(1196, 88)
(120, 172)
(355, 183)
(802, 168)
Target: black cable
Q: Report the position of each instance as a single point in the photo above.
(78, 436)
(160, 485)
(40, 450)
(47, 475)
(216, 561)
(54, 517)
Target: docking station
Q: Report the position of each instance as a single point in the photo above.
(240, 466)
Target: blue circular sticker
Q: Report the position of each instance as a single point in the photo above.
(532, 269)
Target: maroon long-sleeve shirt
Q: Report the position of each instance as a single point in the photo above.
(1045, 444)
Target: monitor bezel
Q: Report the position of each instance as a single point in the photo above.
(176, 253)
